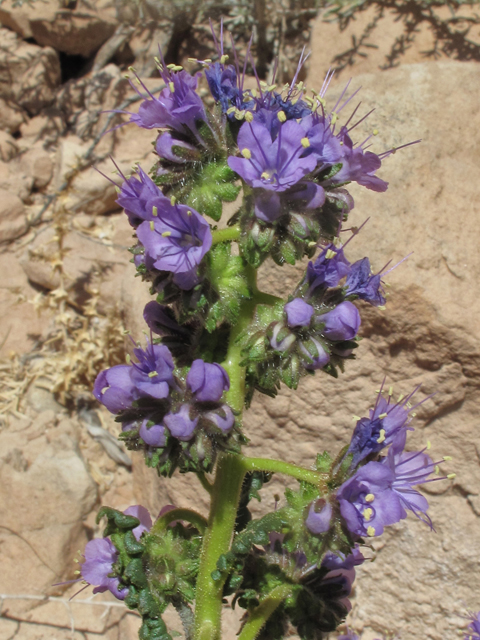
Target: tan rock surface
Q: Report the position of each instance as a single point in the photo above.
(12, 216)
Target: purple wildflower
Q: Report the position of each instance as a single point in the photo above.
(114, 388)
(362, 283)
(358, 165)
(328, 269)
(165, 148)
(176, 240)
(137, 511)
(222, 418)
(153, 435)
(222, 82)
(473, 631)
(274, 165)
(342, 323)
(341, 574)
(207, 381)
(323, 144)
(100, 556)
(318, 361)
(161, 320)
(180, 424)
(136, 197)
(298, 312)
(319, 517)
(177, 107)
(387, 424)
(153, 374)
(284, 342)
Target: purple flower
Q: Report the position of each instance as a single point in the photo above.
(270, 205)
(160, 319)
(281, 341)
(358, 166)
(177, 107)
(176, 241)
(323, 144)
(387, 424)
(328, 269)
(362, 283)
(274, 165)
(114, 388)
(165, 148)
(153, 435)
(320, 360)
(153, 374)
(342, 323)
(473, 631)
(180, 424)
(319, 517)
(341, 574)
(222, 418)
(100, 556)
(137, 511)
(298, 312)
(207, 381)
(368, 502)
(222, 82)
(135, 197)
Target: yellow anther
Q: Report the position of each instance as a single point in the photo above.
(383, 415)
(254, 93)
(330, 254)
(126, 76)
(295, 100)
(249, 116)
(128, 358)
(153, 374)
(381, 437)
(173, 201)
(170, 66)
(375, 132)
(400, 397)
(437, 469)
(154, 211)
(281, 116)
(177, 67)
(126, 332)
(390, 391)
(152, 226)
(231, 110)
(381, 307)
(300, 85)
(246, 153)
(192, 59)
(102, 391)
(368, 513)
(239, 115)
(447, 458)
(265, 175)
(308, 100)
(171, 86)
(322, 101)
(208, 60)
(371, 531)
(333, 117)
(305, 143)
(451, 476)
(356, 418)
(77, 572)
(378, 390)
(369, 497)
(414, 414)
(429, 445)
(272, 87)
(189, 213)
(166, 234)
(118, 190)
(223, 59)
(157, 59)
(263, 84)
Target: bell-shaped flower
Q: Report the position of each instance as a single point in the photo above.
(328, 269)
(222, 418)
(100, 556)
(153, 374)
(180, 424)
(298, 312)
(114, 388)
(137, 511)
(342, 323)
(154, 434)
(359, 166)
(319, 359)
(207, 381)
(166, 144)
(135, 197)
(363, 283)
(319, 517)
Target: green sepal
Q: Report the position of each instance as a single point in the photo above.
(135, 573)
(132, 545)
(212, 186)
(323, 463)
(116, 521)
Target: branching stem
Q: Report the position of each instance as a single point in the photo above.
(193, 517)
(259, 616)
(226, 235)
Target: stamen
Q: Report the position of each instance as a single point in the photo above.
(117, 189)
(369, 497)
(171, 86)
(356, 418)
(128, 359)
(371, 531)
(368, 513)
(383, 415)
(189, 213)
(265, 175)
(330, 254)
(333, 118)
(451, 476)
(246, 153)
(375, 132)
(381, 437)
(223, 59)
(249, 116)
(231, 110)
(281, 116)
(153, 374)
(166, 234)
(305, 143)
(390, 391)
(105, 389)
(429, 445)
(173, 200)
(152, 226)
(447, 458)
(154, 211)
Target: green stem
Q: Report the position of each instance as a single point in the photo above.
(226, 235)
(205, 482)
(259, 297)
(259, 616)
(223, 511)
(198, 521)
(289, 469)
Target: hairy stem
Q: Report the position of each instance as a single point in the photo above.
(198, 521)
(226, 235)
(223, 511)
(287, 468)
(259, 616)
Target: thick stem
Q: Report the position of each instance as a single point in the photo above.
(289, 469)
(259, 616)
(226, 235)
(223, 511)
(198, 521)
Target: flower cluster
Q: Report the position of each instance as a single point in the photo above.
(473, 631)
(163, 410)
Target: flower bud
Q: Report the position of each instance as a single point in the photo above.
(299, 313)
(342, 323)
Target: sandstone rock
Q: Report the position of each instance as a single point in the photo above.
(17, 16)
(8, 147)
(40, 166)
(16, 178)
(47, 127)
(11, 116)
(12, 216)
(72, 32)
(47, 492)
(28, 74)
